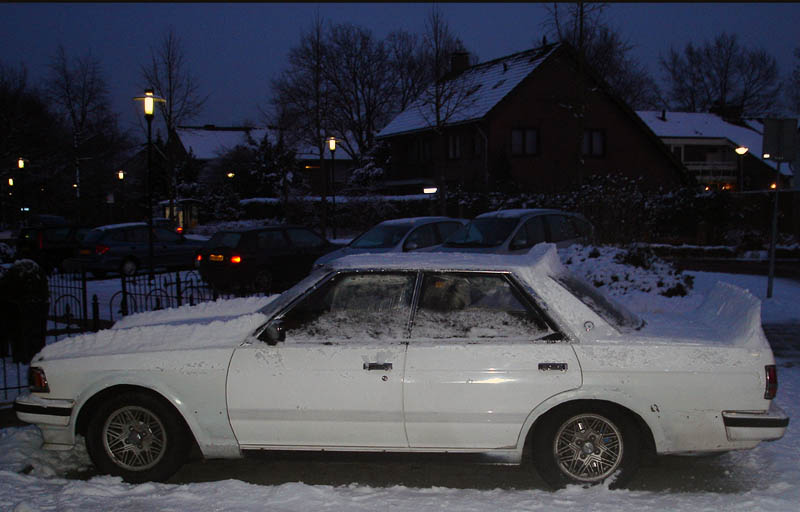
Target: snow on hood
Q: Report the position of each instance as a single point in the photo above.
(220, 324)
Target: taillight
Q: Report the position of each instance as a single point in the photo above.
(37, 381)
(179, 229)
(236, 259)
(199, 258)
(101, 249)
(40, 240)
(772, 381)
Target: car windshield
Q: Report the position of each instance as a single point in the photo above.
(381, 236)
(223, 239)
(609, 310)
(483, 232)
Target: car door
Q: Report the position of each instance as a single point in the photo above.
(169, 248)
(308, 246)
(336, 378)
(481, 357)
(563, 232)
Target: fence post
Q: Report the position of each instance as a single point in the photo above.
(84, 302)
(178, 287)
(95, 313)
(124, 302)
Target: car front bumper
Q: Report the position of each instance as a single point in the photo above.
(755, 426)
(52, 416)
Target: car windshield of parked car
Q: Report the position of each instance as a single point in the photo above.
(474, 306)
(482, 232)
(223, 239)
(609, 310)
(358, 307)
(382, 236)
(94, 235)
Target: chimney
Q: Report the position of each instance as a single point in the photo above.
(459, 61)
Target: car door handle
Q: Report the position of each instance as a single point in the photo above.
(377, 366)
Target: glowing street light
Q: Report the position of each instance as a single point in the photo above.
(332, 148)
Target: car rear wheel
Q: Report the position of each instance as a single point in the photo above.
(128, 267)
(587, 444)
(138, 437)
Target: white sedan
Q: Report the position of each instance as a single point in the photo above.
(495, 355)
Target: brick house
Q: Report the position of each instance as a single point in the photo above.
(519, 125)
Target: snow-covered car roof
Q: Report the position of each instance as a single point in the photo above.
(520, 212)
(541, 259)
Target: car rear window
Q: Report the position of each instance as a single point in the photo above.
(94, 235)
(483, 232)
(381, 236)
(222, 239)
(610, 311)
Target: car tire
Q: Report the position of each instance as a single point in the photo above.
(138, 437)
(262, 283)
(128, 267)
(587, 444)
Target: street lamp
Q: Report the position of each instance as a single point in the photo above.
(741, 151)
(121, 178)
(148, 101)
(332, 147)
(21, 163)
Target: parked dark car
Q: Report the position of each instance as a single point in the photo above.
(398, 235)
(49, 245)
(516, 231)
(124, 248)
(264, 260)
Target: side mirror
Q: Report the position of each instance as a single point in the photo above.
(273, 334)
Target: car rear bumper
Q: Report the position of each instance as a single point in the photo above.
(755, 426)
(51, 416)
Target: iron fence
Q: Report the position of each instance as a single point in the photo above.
(79, 304)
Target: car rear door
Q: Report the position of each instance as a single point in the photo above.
(480, 358)
(336, 378)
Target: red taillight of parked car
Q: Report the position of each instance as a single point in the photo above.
(236, 259)
(40, 240)
(37, 381)
(199, 258)
(772, 381)
(101, 249)
(179, 230)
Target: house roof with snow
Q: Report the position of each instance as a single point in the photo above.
(697, 125)
(491, 82)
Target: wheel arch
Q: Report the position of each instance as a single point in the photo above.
(647, 436)
(92, 403)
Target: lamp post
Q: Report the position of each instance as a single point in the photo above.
(332, 147)
(741, 151)
(121, 178)
(148, 101)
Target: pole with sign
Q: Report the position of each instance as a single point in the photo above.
(779, 144)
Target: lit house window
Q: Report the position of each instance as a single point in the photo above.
(524, 141)
(594, 143)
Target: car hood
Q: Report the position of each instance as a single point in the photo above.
(220, 324)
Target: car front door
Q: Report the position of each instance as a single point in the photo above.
(336, 378)
(480, 358)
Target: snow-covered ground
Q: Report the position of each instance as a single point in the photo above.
(766, 478)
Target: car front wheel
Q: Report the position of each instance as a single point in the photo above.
(587, 445)
(138, 437)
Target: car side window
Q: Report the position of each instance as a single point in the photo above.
(165, 235)
(138, 235)
(561, 228)
(530, 234)
(304, 238)
(423, 236)
(272, 239)
(357, 307)
(474, 306)
(446, 229)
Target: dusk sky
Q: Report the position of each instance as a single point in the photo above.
(236, 49)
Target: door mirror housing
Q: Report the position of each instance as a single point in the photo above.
(273, 334)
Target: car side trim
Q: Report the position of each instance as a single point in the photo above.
(42, 410)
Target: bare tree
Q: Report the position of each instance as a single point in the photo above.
(582, 25)
(793, 85)
(169, 75)
(78, 91)
(412, 70)
(721, 74)
(300, 97)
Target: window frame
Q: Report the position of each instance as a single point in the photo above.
(591, 133)
(525, 132)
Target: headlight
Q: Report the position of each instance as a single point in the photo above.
(37, 381)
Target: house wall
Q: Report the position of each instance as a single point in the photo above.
(542, 102)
